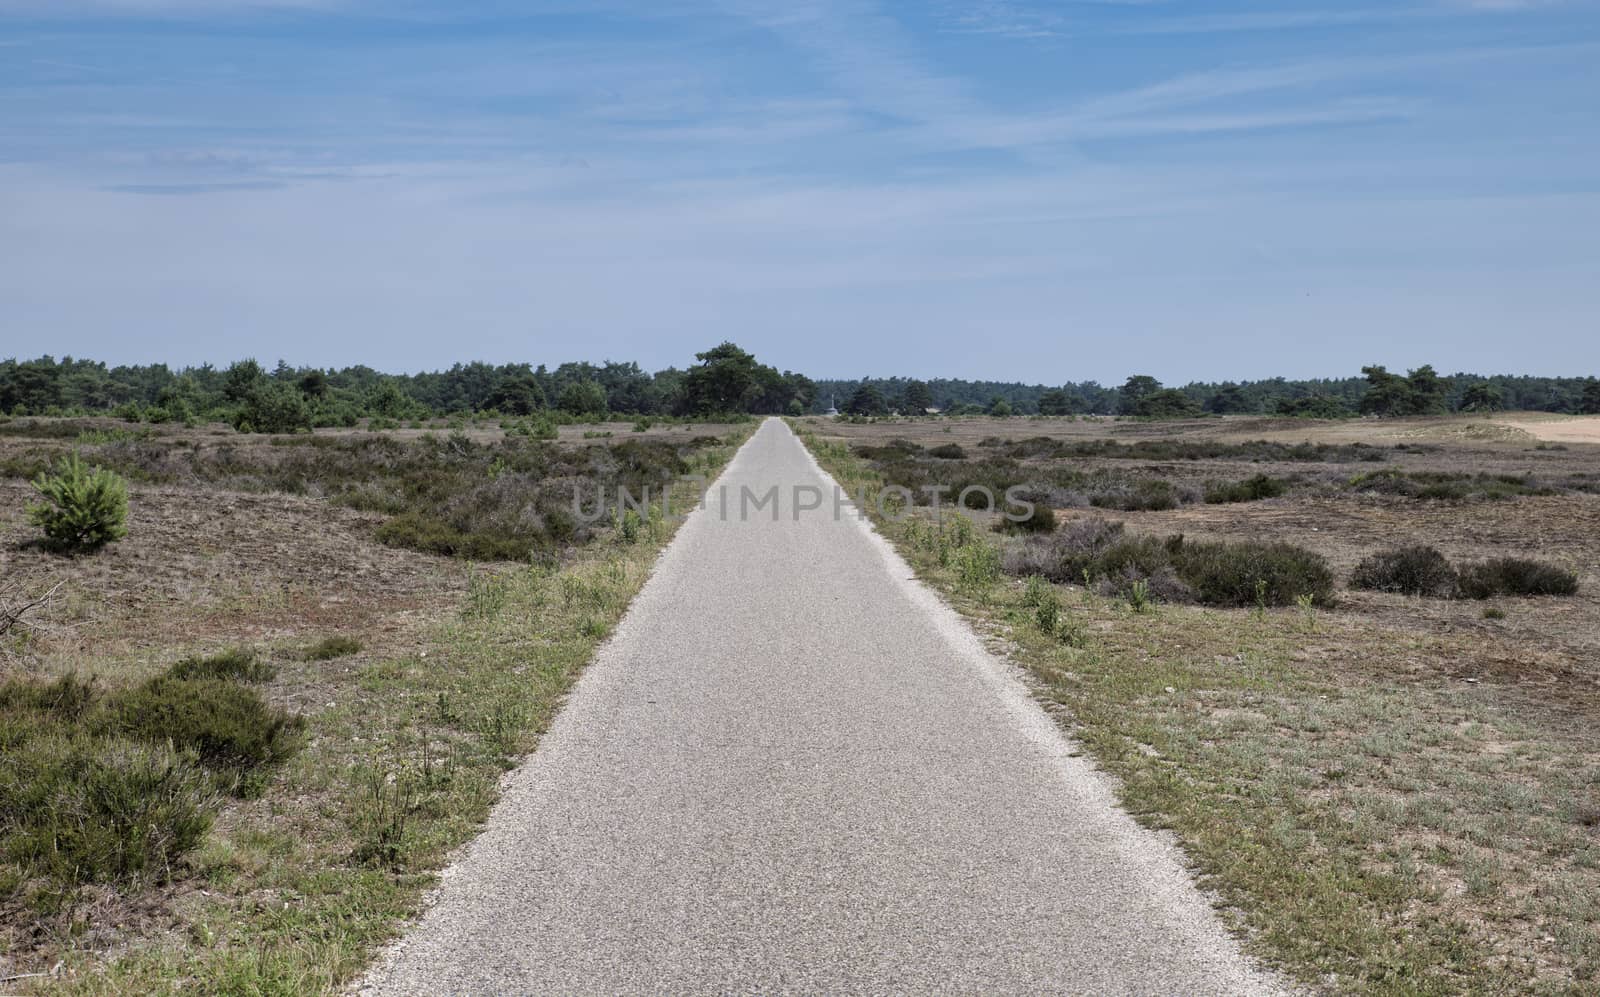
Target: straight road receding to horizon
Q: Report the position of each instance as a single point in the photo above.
(794, 769)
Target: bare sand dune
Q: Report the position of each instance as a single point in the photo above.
(1558, 428)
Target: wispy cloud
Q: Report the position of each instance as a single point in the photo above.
(178, 189)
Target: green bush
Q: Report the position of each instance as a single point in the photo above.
(1248, 573)
(419, 531)
(239, 663)
(1515, 576)
(82, 809)
(1144, 495)
(272, 407)
(1041, 520)
(329, 648)
(948, 451)
(1417, 570)
(84, 507)
(79, 803)
(1251, 489)
(228, 726)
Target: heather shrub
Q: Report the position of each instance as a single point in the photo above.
(1417, 570)
(84, 507)
(1515, 576)
(1248, 573)
(240, 664)
(227, 726)
(80, 808)
(329, 648)
(1251, 489)
(1143, 495)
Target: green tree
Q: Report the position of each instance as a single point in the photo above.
(867, 400)
(1482, 397)
(272, 407)
(1054, 402)
(999, 408)
(916, 399)
(586, 398)
(84, 507)
(724, 381)
(1589, 402)
(1230, 399)
(241, 379)
(389, 400)
(313, 384)
(1135, 390)
(1387, 394)
(1167, 403)
(1428, 391)
(518, 394)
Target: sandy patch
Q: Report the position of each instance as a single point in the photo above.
(1560, 429)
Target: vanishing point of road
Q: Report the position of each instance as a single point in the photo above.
(792, 769)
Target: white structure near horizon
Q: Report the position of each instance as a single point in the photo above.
(832, 408)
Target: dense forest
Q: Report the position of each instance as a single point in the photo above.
(724, 380)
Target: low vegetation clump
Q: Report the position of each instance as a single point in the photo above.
(1142, 495)
(1040, 519)
(228, 726)
(1449, 486)
(1423, 571)
(1249, 573)
(114, 786)
(1515, 576)
(84, 507)
(240, 664)
(1102, 553)
(1251, 489)
(329, 648)
(1416, 570)
(1261, 451)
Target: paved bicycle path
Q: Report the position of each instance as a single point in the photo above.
(792, 769)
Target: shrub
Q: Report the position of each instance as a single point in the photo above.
(1250, 489)
(1041, 520)
(1047, 614)
(1417, 570)
(329, 648)
(86, 809)
(84, 507)
(1248, 573)
(272, 407)
(1515, 576)
(239, 664)
(977, 565)
(228, 726)
(1144, 495)
(948, 451)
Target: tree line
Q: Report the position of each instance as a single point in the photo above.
(724, 380)
(1377, 391)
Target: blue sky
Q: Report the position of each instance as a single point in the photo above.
(1016, 189)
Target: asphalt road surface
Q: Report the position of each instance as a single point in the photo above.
(792, 769)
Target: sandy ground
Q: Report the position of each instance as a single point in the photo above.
(1557, 429)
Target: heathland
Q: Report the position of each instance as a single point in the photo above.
(1350, 665)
